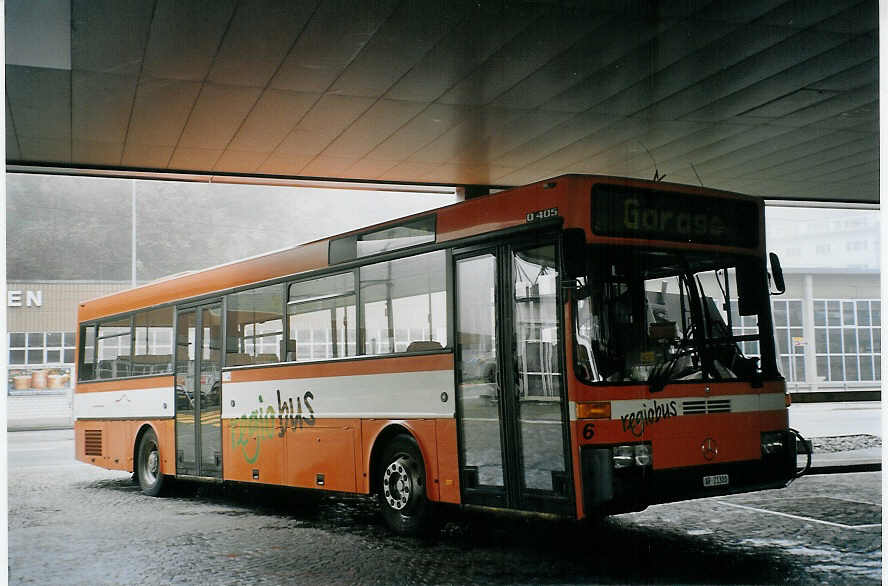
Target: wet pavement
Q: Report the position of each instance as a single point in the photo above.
(70, 523)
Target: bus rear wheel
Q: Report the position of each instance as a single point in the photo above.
(148, 464)
(402, 487)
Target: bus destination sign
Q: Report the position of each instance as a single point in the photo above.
(632, 212)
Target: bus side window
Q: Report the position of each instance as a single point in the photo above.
(87, 368)
(114, 348)
(404, 301)
(254, 326)
(153, 342)
(321, 318)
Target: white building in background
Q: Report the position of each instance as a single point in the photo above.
(828, 323)
(42, 320)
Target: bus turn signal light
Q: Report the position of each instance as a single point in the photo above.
(596, 410)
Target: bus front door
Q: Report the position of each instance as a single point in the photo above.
(198, 391)
(511, 406)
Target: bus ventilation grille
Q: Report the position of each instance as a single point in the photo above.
(93, 442)
(703, 406)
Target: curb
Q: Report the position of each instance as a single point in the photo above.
(808, 397)
(37, 428)
(846, 468)
(38, 425)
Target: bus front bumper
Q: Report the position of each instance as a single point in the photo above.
(609, 490)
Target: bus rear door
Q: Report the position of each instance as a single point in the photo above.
(199, 391)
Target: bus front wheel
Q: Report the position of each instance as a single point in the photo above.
(148, 464)
(402, 487)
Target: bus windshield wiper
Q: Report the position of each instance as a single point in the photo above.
(693, 335)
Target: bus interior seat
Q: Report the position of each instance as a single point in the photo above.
(104, 368)
(238, 359)
(152, 359)
(152, 363)
(288, 350)
(424, 346)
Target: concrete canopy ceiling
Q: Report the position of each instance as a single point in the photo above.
(775, 99)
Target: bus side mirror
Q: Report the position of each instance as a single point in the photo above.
(777, 274)
(574, 251)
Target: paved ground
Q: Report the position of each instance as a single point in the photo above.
(836, 419)
(70, 523)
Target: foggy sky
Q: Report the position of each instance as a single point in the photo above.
(79, 228)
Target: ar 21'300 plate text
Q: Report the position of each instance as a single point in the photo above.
(716, 480)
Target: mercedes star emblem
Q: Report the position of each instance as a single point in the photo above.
(710, 448)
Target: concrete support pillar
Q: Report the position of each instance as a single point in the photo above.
(808, 332)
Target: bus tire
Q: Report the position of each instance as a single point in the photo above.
(402, 487)
(148, 464)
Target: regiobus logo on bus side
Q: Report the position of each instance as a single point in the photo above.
(266, 422)
(648, 414)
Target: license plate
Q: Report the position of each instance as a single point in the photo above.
(717, 480)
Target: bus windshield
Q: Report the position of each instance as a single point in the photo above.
(663, 316)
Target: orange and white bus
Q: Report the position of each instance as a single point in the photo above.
(580, 346)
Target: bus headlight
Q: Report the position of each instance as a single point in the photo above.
(632, 455)
(643, 454)
(772, 442)
(624, 456)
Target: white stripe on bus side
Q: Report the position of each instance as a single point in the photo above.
(403, 395)
(699, 405)
(739, 404)
(129, 404)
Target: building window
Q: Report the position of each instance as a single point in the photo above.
(40, 362)
(41, 348)
(848, 341)
(790, 338)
